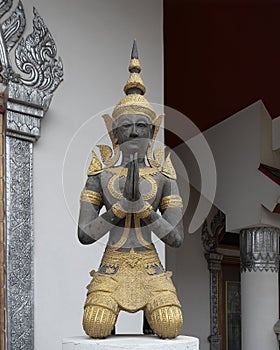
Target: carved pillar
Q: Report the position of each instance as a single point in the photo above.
(259, 248)
(214, 265)
(24, 111)
(214, 260)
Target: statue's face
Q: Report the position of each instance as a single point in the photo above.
(133, 133)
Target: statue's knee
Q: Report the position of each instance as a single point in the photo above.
(100, 315)
(166, 321)
(98, 322)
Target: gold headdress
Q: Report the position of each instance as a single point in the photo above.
(133, 103)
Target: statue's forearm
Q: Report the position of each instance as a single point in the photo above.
(92, 229)
(168, 233)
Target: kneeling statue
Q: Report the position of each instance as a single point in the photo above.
(130, 276)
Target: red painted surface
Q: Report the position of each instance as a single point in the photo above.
(221, 56)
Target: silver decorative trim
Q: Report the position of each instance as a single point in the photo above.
(5, 6)
(259, 249)
(13, 27)
(19, 245)
(27, 99)
(10, 32)
(36, 57)
(210, 242)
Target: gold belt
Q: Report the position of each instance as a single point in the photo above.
(131, 258)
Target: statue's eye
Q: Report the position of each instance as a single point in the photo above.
(127, 125)
(141, 125)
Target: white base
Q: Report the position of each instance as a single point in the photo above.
(122, 342)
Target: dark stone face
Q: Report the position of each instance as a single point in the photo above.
(133, 132)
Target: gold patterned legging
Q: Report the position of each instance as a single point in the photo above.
(130, 281)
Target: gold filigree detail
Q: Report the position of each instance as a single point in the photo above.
(151, 270)
(122, 172)
(134, 64)
(134, 104)
(95, 166)
(118, 211)
(168, 168)
(105, 152)
(134, 81)
(171, 202)
(110, 270)
(91, 197)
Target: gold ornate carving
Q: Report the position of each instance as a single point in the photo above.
(134, 64)
(105, 152)
(91, 197)
(171, 202)
(167, 321)
(134, 81)
(134, 104)
(118, 211)
(121, 171)
(143, 172)
(168, 168)
(95, 165)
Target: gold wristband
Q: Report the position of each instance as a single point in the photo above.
(145, 211)
(91, 197)
(118, 211)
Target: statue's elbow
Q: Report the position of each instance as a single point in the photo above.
(83, 237)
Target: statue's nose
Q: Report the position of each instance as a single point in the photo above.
(133, 131)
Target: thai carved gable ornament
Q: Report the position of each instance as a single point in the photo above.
(30, 73)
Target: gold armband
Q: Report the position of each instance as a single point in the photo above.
(171, 202)
(145, 211)
(91, 197)
(118, 211)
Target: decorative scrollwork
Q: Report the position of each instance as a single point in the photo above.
(5, 6)
(36, 57)
(14, 26)
(210, 238)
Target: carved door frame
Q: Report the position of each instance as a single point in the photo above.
(25, 96)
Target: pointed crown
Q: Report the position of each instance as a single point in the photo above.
(134, 102)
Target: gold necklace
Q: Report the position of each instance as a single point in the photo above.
(122, 172)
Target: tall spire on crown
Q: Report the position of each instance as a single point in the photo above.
(134, 102)
(134, 84)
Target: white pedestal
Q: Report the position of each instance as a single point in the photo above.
(135, 342)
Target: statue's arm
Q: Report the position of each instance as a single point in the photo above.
(168, 226)
(91, 225)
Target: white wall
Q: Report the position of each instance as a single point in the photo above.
(94, 39)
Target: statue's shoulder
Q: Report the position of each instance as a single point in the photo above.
(95, 166)
(168, 169)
